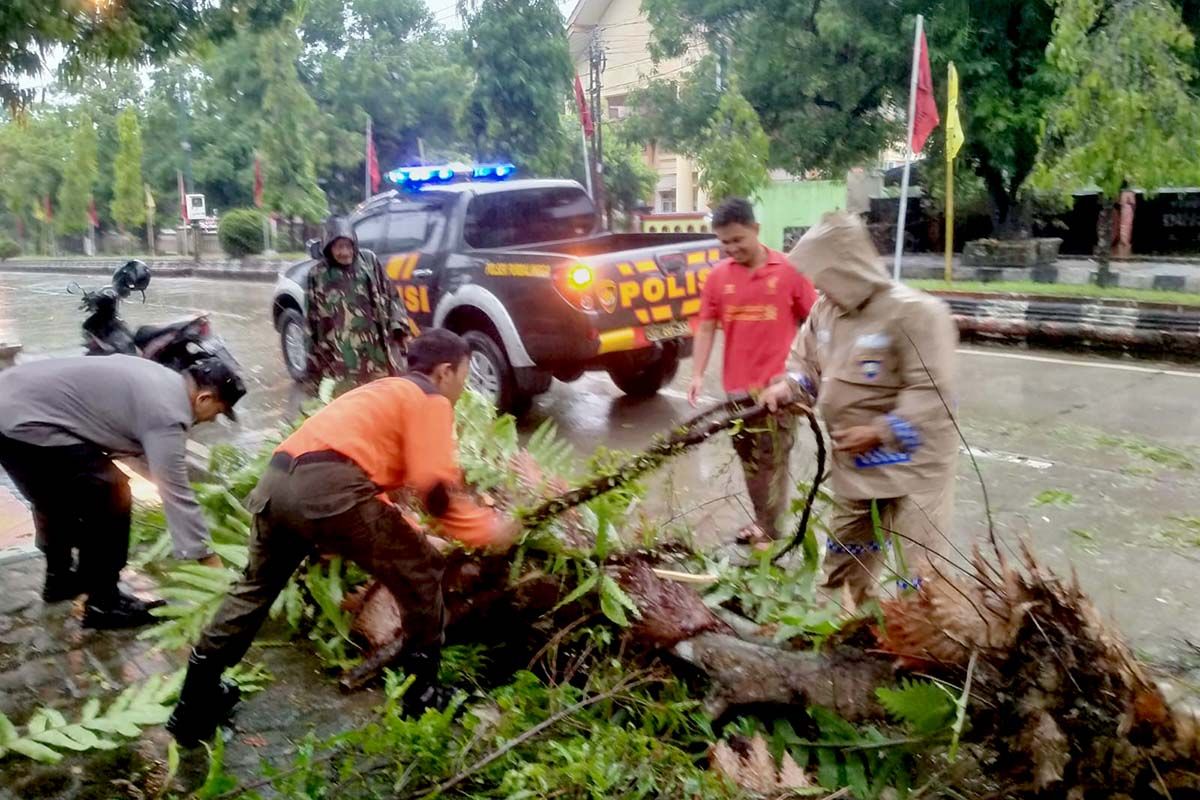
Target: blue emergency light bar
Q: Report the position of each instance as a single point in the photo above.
(445, 173)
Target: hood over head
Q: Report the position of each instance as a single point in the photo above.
(839, 257)
(337, 228)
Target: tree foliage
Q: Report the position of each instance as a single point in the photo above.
(733, 158)
(628, 180)
(1128, 115)
(518, 49)
(79, 179)
(129, 199)
(90, 33)
(289, 152)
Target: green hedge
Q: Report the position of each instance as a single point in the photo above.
(241, 232)
(9, 249)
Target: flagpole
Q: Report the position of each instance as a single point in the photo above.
(367, 163)
(587, 163)
(912, 114)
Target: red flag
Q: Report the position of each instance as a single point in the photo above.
(926, 118)
(182, 196)
(373, 176)
(585, 116)
(258, 183)
(93, 217)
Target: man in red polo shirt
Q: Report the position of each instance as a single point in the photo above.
(760, 302)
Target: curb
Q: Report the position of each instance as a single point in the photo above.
(1148, 329)
(223, 272)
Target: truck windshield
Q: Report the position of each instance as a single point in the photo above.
(513, 219)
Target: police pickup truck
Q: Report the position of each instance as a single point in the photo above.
(524, 272)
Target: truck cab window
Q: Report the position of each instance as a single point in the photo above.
(513, 219)
(370, 232)
(411, 229)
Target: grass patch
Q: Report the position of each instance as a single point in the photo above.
(1060, 290)
(1154, 453)
(1184, 532)
(1054, 497)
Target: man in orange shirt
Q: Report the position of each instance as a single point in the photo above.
(759, 302)
(325, 491)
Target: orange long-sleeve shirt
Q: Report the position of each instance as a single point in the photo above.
(400, 432)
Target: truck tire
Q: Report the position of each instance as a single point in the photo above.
(492, 375)
(641, 377)
(293, 341)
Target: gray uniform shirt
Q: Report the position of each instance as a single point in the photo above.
(125, 405)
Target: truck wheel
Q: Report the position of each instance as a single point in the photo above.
(639, 377)
(492, 375)
(293, 342)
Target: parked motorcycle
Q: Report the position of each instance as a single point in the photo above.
(176, 345)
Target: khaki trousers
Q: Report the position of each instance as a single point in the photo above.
(764, 449)
(913, 530)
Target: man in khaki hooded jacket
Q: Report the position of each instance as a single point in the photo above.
(877, 357)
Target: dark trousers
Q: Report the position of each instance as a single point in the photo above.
(327, 507)
(764, 448)
(81, 501)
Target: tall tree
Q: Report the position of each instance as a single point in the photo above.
(518, 49)
(129, 199)
(1129, 116)
(85, 34)
(733, 158)
(856, 58)
(79, 178)
(289, 159)
(628, 179)
(32, 160)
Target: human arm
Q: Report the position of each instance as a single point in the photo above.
(433, 471)
(397, 323)
(166, 453)
(925, 342)
(710, 315)
(701, 351)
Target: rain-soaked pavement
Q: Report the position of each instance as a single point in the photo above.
(1094, 459)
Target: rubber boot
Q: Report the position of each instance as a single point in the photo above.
(62, 582)
(425, 691)
(116, 609)
(205, 701)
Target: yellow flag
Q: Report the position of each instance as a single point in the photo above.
(954, 131)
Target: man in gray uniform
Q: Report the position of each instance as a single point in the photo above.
(62, 421)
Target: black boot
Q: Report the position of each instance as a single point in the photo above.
(205, 701)
(425, 691)
(60, 585)
(118, 610)
(62, 581)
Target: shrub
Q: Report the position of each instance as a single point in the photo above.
(9, 249)
(241, 232)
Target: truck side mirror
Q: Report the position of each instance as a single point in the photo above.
(314, 249)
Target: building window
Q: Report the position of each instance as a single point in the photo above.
(666, 202)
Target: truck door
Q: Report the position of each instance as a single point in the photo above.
(414, 257)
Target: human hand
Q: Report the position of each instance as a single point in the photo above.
(211, 560)
(694, 390)
(857, 439)
(777, 394)
(507, 535)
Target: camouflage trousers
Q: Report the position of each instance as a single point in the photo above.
(764, 448)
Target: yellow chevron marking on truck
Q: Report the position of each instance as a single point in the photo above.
(661, 313)
(615, 341)
(696, 257)
(643, 315)
(625, 269)
(690, 307)
(714, 256)
(647, 266)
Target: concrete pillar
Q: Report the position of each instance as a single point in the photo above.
(683, 184)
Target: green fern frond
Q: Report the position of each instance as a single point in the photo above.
(927, 708)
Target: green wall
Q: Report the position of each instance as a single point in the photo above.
(786, 204)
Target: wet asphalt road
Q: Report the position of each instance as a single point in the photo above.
(1094, 459)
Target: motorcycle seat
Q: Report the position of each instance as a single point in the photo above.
(148, 333)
